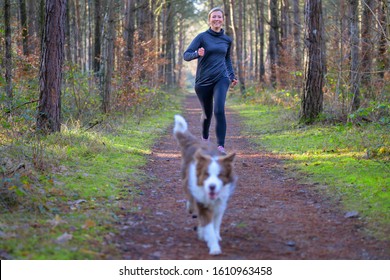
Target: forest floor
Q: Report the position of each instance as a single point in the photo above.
(272, 215)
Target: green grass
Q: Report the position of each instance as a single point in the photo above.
(350, 162)
(69, 209)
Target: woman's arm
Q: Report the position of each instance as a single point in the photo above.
(229, 65)
(192, 50)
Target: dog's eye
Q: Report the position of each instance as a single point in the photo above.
(224, 176)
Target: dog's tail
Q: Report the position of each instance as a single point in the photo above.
(182, 134)
(181, 125)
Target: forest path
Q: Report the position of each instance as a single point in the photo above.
(270, 216)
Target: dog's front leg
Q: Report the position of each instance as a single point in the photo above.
(211, 238)
(217, 219)
(206, 229)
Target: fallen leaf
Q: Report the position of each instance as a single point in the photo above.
(89, 224)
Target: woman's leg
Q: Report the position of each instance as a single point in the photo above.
(205, 96)
(220, 91)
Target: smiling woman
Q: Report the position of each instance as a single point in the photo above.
(216, 17)
(214, 74)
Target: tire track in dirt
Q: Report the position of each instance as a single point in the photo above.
(270, 216)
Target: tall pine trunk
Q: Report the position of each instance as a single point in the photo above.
(108, 56)
(130, 29)
(169, 46)
(24, 25)
(50, 78)
(97, 41)
(8, 51)
(260, 9)
(180, 51)
(383, 60)
(77, 36)
(33, 31)
(228, 19)
(367, 43)
(237, 25)
(297, 35)
(312, 98)
(354, 46)
(273, 46)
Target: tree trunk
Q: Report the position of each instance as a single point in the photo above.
(228, 19)
(68, 44)
(42, 11)
(169, 45)
(367, 43)
(383, 52)
(245, 41)
(97, 41)
(211, 5)
(88, 39)
(312, 98)
(354, 46)
(109, 40)
(239, 51)
(297, 35)
(229, 28)
(285, 25)
(50, 78)
(144, 20)
(261, 34)
(273, 47)
(252, 45)
(8, 52)
(130, 29)
(180, 51)
(24, 25)
(33, 40)
(77, 36)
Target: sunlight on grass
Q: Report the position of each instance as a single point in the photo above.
(352, 162)
(68, 211)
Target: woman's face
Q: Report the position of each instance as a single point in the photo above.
(216, 20)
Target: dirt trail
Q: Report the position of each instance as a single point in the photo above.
(270, 216)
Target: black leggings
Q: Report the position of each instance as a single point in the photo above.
(206, 94)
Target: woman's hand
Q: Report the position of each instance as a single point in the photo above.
(201, 51)
(234, 82)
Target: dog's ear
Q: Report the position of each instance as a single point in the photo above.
(229, 158)
(199, 156)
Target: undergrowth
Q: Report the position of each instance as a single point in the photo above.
(61, 195)
(348, 160)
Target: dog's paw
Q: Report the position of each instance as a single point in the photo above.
(215, 251)
(200, 232)
(189, 208)
(201, 237)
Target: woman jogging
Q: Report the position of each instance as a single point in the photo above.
(214, 74)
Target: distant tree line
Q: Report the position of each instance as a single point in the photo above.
(113, 54)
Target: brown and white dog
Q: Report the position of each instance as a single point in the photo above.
(208, 180)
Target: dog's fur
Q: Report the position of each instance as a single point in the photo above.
(208, 180)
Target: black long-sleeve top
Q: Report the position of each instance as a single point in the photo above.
(216, 62)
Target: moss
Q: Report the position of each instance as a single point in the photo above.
(78, 194)
(352, 161)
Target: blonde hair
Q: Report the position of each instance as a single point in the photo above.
(216, 9)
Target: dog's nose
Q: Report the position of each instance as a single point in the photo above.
(212, 188)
